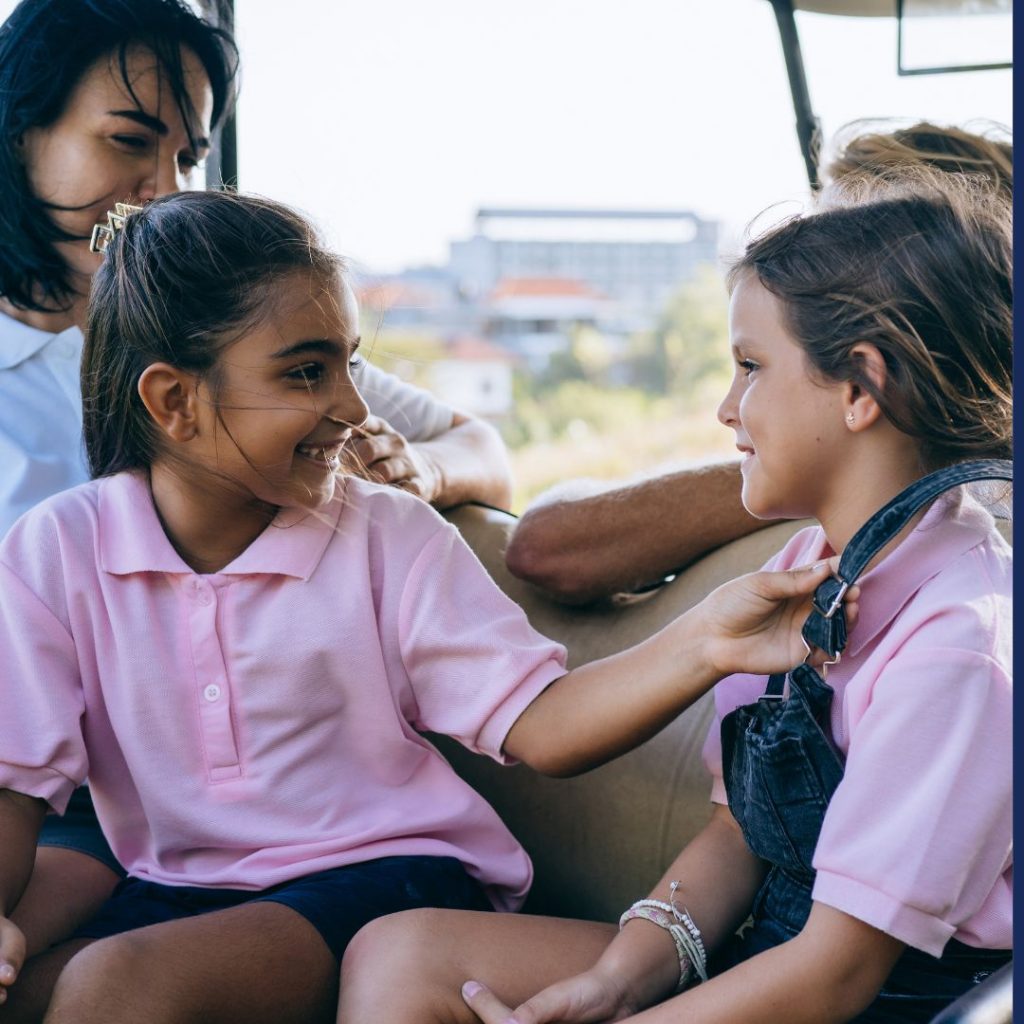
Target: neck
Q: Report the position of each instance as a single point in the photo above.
(205, 528)
(874, 478)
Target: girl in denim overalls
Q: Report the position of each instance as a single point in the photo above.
(863, 825)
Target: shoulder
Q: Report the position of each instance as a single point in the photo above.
(967, 605)
(66, 515)
(55, 545)
(382, 511)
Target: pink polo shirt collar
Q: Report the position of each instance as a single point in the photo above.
(133, 540)
(953, 525)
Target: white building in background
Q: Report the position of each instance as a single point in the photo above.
(474, 375)
(529, 280)
(536, 316)
(635, 258)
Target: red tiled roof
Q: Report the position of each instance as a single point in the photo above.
(561, 287)
(470, 348)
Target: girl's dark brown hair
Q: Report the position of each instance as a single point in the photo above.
(179, 283)
(927, 277)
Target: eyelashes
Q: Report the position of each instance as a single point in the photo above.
(313, 373)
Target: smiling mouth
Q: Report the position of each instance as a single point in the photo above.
(329, 455)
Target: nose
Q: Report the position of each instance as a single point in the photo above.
(164, 178)
(348, 406)
(728, 410)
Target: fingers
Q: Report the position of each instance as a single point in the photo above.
(804, 579)
(485, 1004)
(378, 447)
(375, 425)
(12, 955)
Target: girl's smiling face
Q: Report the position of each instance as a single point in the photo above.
(788, 422)
(280, 407)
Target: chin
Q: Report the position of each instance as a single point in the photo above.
(761, 508)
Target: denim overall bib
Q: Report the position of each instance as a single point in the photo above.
(781, 768)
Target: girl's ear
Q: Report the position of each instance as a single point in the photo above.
(860, 407)
(170, 396)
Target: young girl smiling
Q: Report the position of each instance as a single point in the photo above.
(864, 823)
(241, 647)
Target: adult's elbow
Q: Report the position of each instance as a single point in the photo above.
(536, 553)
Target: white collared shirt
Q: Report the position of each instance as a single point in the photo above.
(41, 449)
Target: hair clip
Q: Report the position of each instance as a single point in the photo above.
(103, 234)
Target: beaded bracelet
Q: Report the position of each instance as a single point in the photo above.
(683, 917)
(661, 914)
(693, 957)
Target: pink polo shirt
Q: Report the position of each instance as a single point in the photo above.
(261, 723)
(917, 840)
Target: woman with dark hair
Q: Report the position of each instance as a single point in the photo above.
(100, 101)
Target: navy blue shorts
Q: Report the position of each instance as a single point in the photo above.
(336, 902)
(78, 829)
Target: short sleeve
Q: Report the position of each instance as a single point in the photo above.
(413, 412)
(42, 752)
(918, 836)
(473, 660)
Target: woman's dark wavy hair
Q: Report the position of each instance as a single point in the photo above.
(184, 279)
(924, 271)
(45, 48)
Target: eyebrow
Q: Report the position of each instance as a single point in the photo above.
(321, 345)
(154, 124)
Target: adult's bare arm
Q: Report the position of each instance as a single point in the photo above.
(583, 547)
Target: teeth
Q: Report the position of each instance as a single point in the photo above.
(330, 456)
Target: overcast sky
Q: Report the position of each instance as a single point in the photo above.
(391, 121)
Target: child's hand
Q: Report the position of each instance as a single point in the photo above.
(753, 622)
(384, 456)
(12, 955)
(588, 997)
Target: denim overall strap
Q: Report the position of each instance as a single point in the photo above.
(826, 625)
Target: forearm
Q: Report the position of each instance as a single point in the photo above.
(20, 820)
(829, 973)
(719, 878)
(605, 708)
(601, 710)
(471, 464)
(584, 548)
